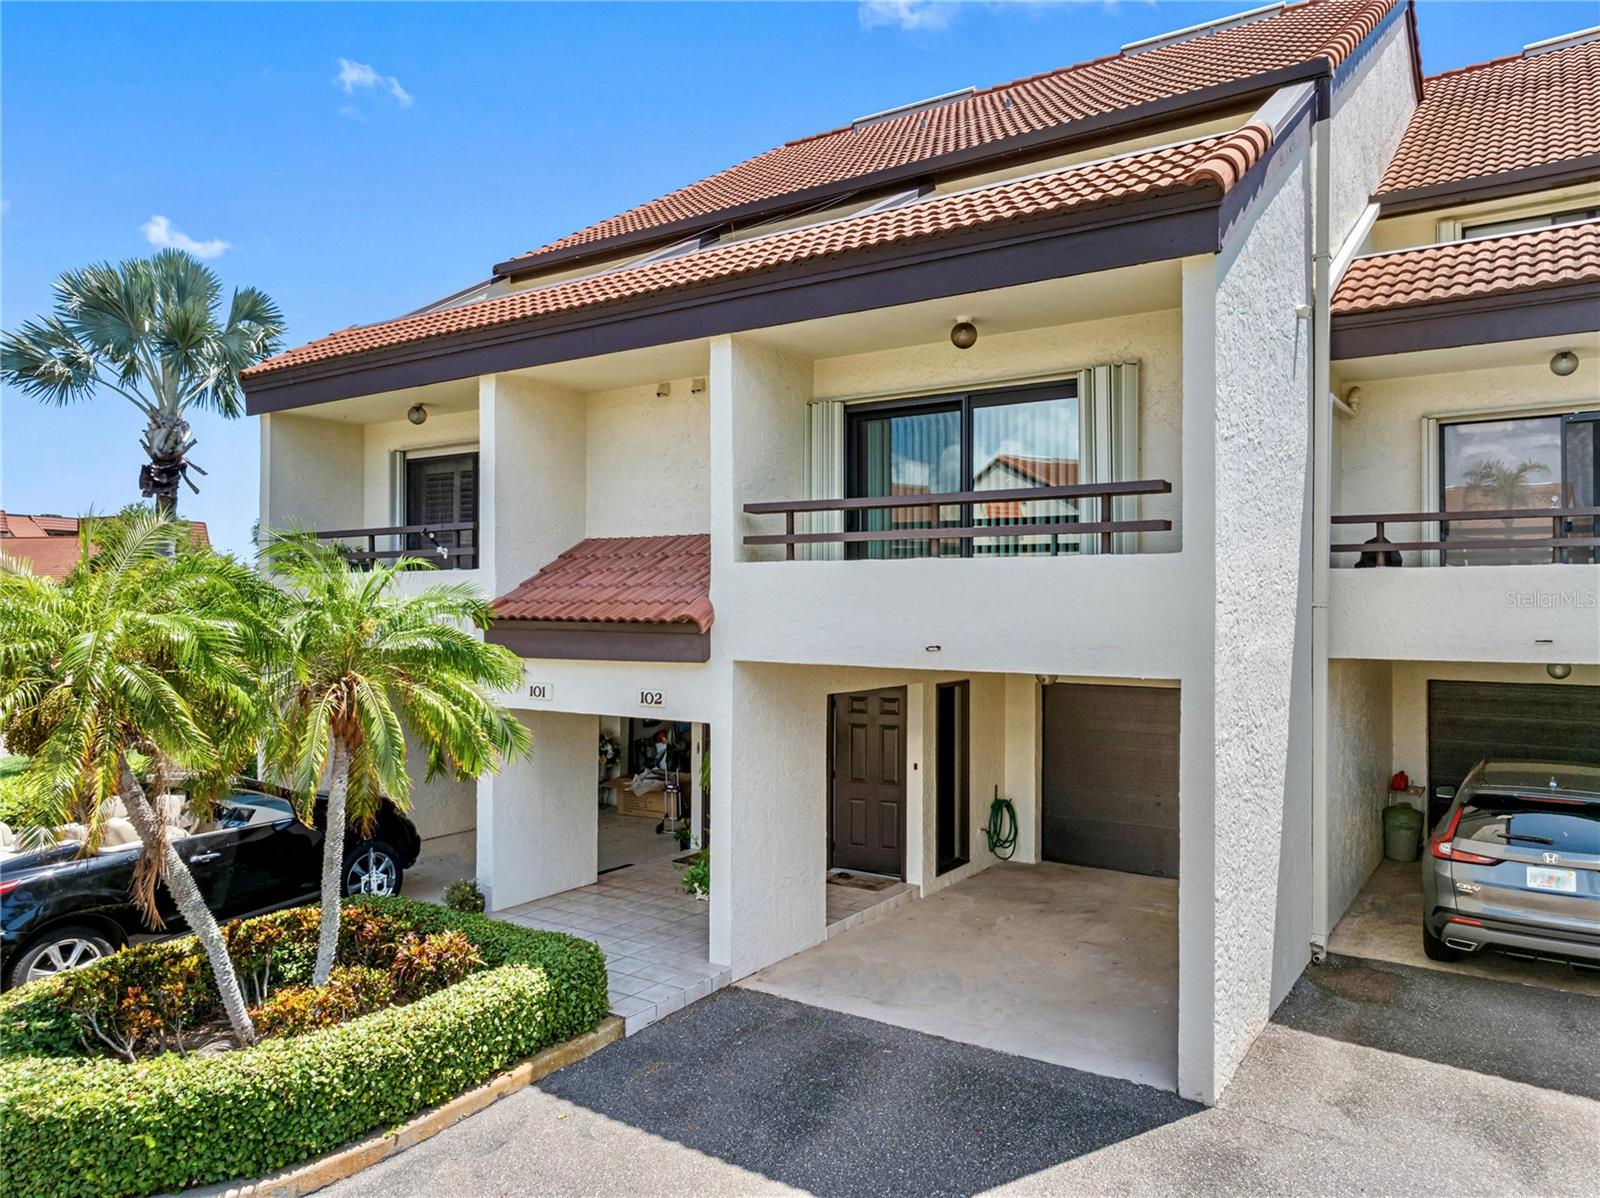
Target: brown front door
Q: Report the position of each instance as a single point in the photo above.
(869, 782)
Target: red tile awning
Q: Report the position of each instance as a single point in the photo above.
(620, 580)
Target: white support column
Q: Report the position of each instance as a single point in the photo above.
(538, 822)
(1022, 760)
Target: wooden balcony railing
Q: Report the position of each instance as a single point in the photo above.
(450, 546)
(1558, 531)
(965, 530)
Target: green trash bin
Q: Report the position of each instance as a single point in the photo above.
(1402, 831)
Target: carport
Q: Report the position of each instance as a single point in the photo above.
(1060, 963)
(1435, 721)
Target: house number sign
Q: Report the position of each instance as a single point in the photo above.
(541, 691)
(652, 698)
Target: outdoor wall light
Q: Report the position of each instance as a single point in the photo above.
(1558, 670)
(418, 414)
(663, 390)
(964, 334)
(1563, 363)
(932, 648)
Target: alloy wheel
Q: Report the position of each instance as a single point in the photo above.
(71, 953)
(371, 872)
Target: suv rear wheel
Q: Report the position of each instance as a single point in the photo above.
(58, 950)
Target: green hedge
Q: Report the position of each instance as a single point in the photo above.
(101, 1127)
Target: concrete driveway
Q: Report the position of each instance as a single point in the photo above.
(748, 1093)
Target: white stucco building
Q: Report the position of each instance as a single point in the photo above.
(740, 489)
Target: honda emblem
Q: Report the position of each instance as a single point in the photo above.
(1550, 858)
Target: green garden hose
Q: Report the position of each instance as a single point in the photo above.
(1002, 827)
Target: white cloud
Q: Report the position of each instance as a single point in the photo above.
(158, 231)
(917, 15)
(354, 76)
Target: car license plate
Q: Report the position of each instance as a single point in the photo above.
(1541, 878)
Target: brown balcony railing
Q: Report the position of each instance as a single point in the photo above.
(449, 546)
(1043, 534)
(1525, 535)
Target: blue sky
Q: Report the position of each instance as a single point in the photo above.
(358, 160)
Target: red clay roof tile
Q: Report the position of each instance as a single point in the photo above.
(1328, 29)
(1501, 116)
(48, 545)
(644, 580)
(1213, 161)
(1470, 269)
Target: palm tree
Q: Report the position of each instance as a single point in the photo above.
(363, 664)
(151, 331)
(146, 648)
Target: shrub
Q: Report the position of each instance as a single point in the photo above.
(697, 878)
(423, 964)
(102, 1127)
(352, 991)
(464, 896)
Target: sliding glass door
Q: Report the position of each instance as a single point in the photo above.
(999, 441)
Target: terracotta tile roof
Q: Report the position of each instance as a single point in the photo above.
(1046, 472)
(1208, 162)
(647, 580)
(49, 544)
(1470, 269)
(1500, 116)
(1300, 33)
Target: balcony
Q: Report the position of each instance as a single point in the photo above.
(452, 546)
(1531, 592)
(987, 523)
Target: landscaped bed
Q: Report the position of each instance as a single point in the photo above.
(427, 1003)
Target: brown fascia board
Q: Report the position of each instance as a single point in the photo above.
(1543, 177)
(564, 641)
(1057, 138)
(1481, 320)
(1126, 233)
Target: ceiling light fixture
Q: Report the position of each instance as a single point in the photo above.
(1558, 670)
(964, 334)
(418, 414)
(1563, 362)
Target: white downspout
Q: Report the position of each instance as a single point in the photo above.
(1321, 530)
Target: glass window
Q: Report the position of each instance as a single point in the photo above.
(1022, 445)
(993, 442)
(1500, 465)
(1524, 224)
(1528, 823)
(443, 489)
(907, 453)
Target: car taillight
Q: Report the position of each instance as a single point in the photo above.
(8, 887)
(1442, 846)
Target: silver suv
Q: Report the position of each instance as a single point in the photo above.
(1514, 865)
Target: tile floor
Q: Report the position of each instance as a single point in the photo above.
(850, 907)
(655, 937)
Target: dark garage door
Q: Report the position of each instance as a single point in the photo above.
(1517, 721)
(1110, 776)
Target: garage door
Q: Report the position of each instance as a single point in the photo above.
(1471, 721)
(1110, 775)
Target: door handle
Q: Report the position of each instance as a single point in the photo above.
(199, 857)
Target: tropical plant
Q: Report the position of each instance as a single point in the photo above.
(152, 331)
(364, 665)
(151, 647)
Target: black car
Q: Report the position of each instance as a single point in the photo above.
(59, 910)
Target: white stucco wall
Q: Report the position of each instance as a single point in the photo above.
(538, 819)
(1262, 647)
(1361, 753)
(648, 461)
(1370, 113)
(310, 472)
(533, 486)
(444, 431)
(989, 752)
